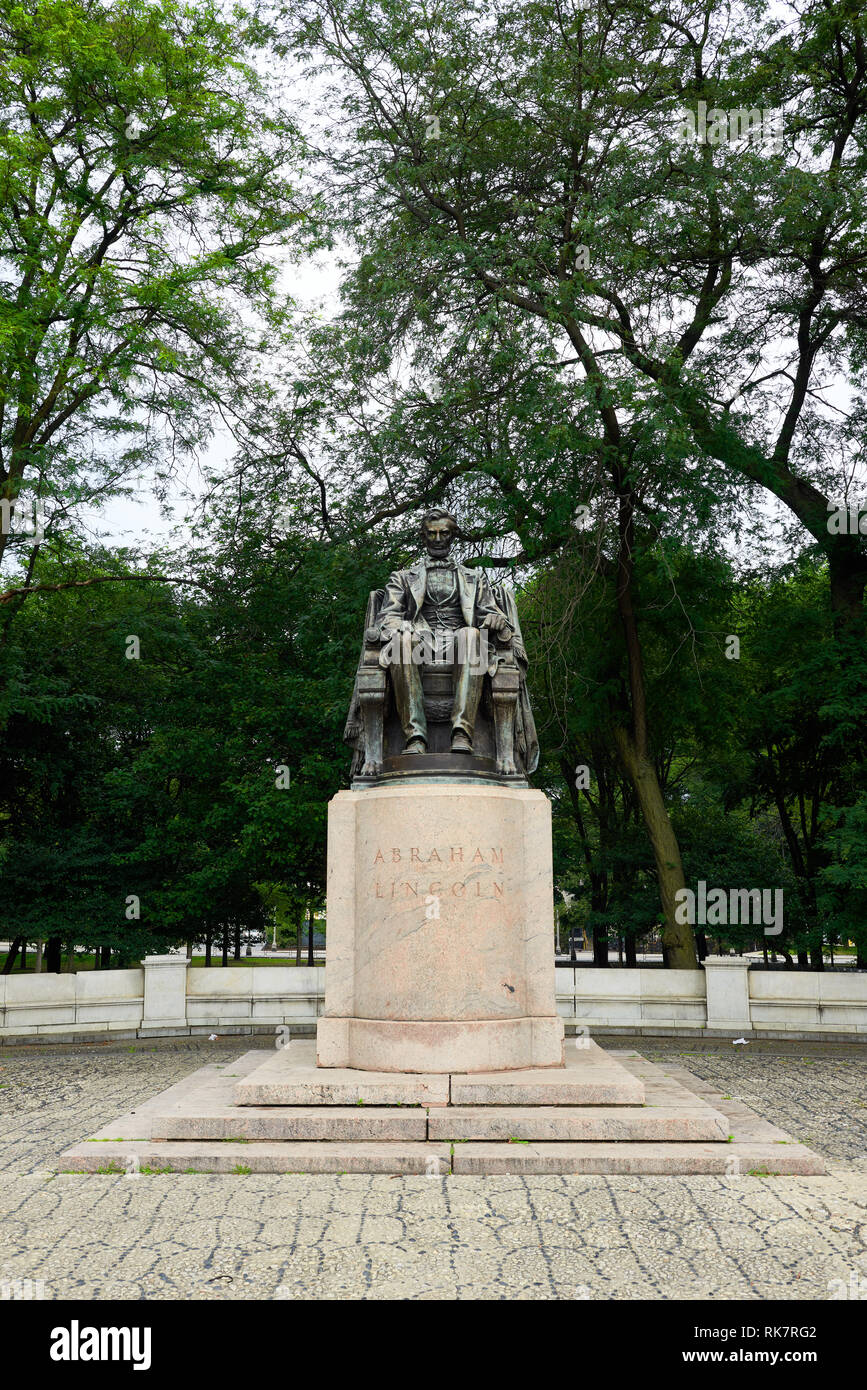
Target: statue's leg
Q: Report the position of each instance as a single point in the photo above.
(469, 676)
(409, 698)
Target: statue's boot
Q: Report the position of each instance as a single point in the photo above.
(416, 745)
(461, 742)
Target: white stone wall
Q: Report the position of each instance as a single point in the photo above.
(165, 998)
(255, 995)
(631, 999)
(95, 1001)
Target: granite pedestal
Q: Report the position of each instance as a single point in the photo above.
(440, 930)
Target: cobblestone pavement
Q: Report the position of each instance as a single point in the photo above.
(374, 1237)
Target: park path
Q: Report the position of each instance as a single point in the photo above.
(440, 1238)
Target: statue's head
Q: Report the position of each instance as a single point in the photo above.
(438, 531)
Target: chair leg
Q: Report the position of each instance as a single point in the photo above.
(504, 693)
(371, 697)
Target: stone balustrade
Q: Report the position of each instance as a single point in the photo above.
(166, 997)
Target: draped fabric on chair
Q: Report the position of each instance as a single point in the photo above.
(526, 742)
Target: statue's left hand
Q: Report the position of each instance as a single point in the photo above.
(498, 624)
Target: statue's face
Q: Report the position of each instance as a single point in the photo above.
(438, 536)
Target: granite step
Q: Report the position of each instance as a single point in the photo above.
(140, 1159)
(581, 1124)
(590, 1077)
(291, 1077)
(299, 1123)
(725, 1160)
(195, 1126)
(329, 1124)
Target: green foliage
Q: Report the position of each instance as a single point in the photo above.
(159, 778)
(144, 166)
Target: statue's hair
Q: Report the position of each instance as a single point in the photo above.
(437, 514)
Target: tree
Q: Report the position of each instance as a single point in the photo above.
(515, 181)
(798, 745)
(531, 156)
(145, 191)
(580, 674)
(74, 711)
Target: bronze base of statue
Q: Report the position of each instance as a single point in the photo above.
(439, 766)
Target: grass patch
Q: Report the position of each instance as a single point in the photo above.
(83, 961)
(254, 960)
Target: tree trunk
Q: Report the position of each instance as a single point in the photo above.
(225, 961)
(238, 942)
(678, 943)
(299, 922)
(310, 957)
(209, 935)
(14, 947)
(52, 955)
(701, 944)
(817, 958)
(40, 945)
(600, 946)
(631, 955)
(847, 577)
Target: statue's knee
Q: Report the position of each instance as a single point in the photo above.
(467, 640)
(469, 646)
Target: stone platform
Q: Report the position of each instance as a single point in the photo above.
(603, 1113)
